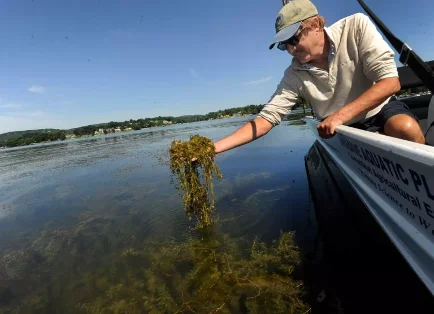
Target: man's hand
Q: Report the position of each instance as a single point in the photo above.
(326, 129)
(369, 100)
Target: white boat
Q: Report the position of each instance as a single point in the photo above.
(394, 178)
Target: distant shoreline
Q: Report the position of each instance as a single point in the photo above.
(29, 137)
(42, 136)
(119, 132)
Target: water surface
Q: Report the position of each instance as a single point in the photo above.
(66, 207)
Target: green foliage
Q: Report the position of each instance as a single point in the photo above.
(250, 109)
(95, 265)
(86, 130)
(30, 138)
(198, 276)
(162, 120)
(215, 275)
(17, 134)
(198, 187)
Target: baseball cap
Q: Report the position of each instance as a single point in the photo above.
(290, 17)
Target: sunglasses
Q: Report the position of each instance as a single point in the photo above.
(293, 41)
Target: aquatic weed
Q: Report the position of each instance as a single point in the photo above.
(195, 178)
(211, 275)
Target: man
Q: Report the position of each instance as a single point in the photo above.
(346, 72)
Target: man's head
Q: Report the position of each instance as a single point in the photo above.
(299, 30)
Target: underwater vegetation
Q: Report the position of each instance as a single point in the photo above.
(70, 270)
(103, 261)
(195, 178)
(198, 276)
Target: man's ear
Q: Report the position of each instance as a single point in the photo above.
(317, 23)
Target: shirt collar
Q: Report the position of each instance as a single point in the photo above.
(332, 52)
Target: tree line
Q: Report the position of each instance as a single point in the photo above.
(30, 138)
(165, 120)
(112, 126)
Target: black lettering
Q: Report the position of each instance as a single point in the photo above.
(428, 192)
(363, 153)
(428, 210)
(414, 201)
(423, 222)
(416, 180)
(400, 171)
(366, 156)
(374, 160)
(394, 169)
(383, 167)
(388, 162)
(409, 213)
(359, 153)
(354, 148)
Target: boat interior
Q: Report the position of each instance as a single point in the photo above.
(422, 106)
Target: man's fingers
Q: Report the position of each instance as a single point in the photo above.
(327, 128)
(192, 159)
(332, 130)
(324, 131)
(325, 136)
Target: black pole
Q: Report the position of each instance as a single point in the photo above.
(407, 55)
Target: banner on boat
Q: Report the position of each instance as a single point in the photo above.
(408, 186)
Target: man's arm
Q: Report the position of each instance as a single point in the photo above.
(370, 99)
(378, 65)
(247, 133)
(280, 104)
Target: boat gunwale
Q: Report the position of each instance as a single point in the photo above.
(421, 152)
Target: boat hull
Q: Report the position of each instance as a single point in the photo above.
(395, 181)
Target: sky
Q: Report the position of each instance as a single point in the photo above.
(65, 64)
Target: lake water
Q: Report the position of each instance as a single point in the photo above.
(65, 208)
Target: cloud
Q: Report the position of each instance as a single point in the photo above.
(194, 74)
(36, 89)
(201, 79)
(9, 106)
(263, 80)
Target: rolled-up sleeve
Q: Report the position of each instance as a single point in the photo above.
(376, 55)
(280, 104)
